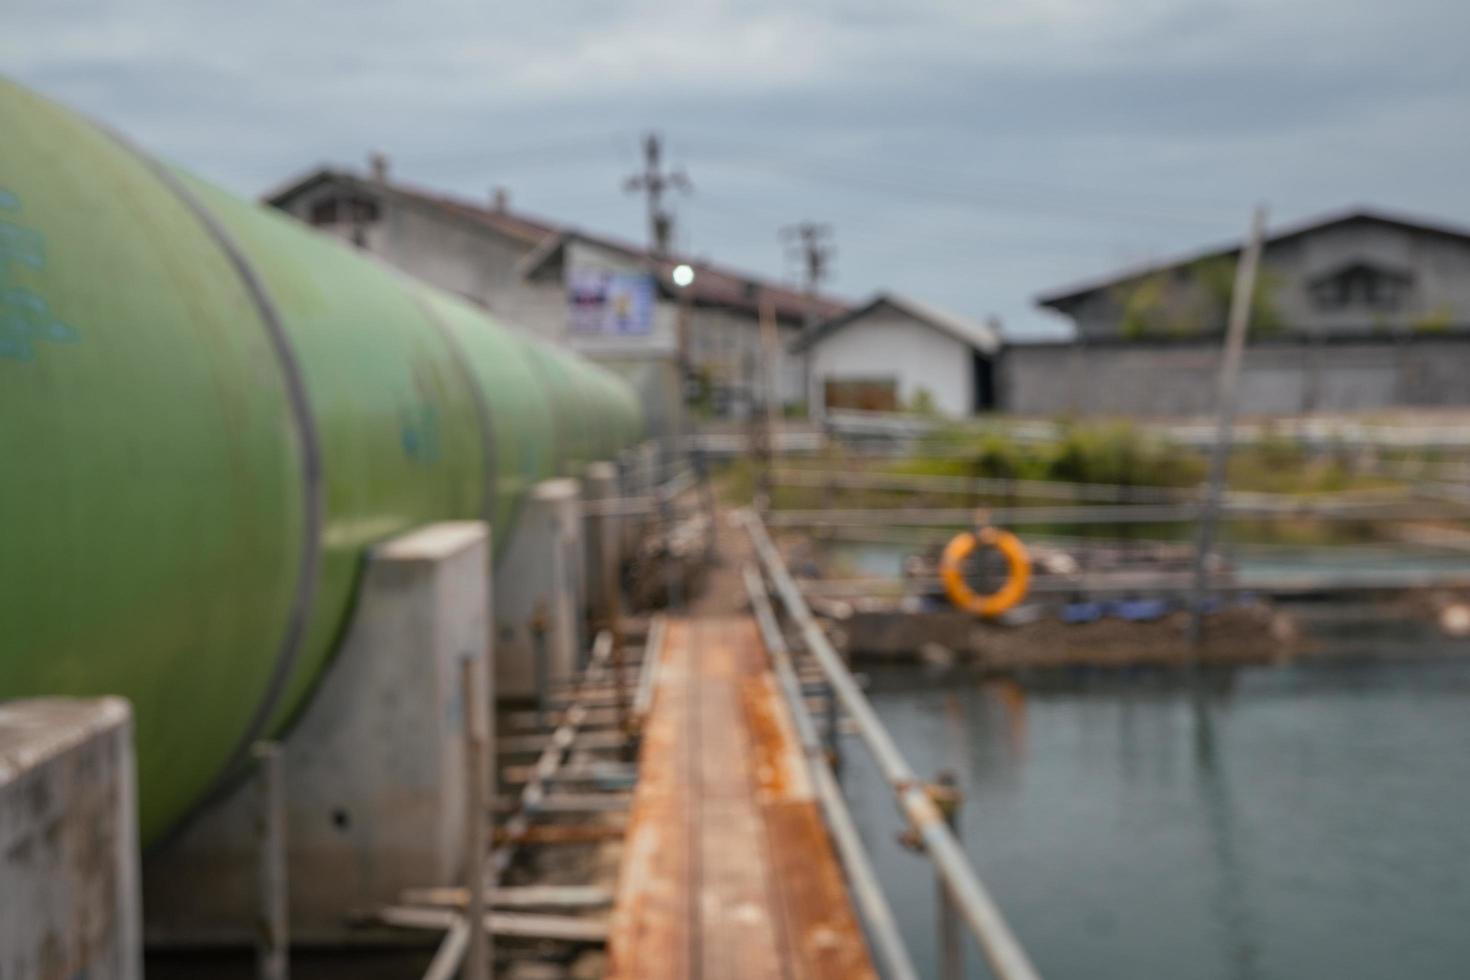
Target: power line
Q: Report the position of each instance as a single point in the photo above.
(720, 210)
(1034, 197)
(922, 164)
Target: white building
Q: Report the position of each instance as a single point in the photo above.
(525, 269)
(894, 354)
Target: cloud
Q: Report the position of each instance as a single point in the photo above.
(972, 153)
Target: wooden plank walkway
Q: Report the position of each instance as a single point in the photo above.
(727, 870)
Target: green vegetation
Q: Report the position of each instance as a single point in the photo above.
(1099, 453)
(1095, 452)
(1194, 300)
(922, 404)
(1438, 320)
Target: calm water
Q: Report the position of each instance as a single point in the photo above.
(1297, 822)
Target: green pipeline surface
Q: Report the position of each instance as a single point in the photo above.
(209, 413)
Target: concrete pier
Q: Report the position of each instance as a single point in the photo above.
(538, 599)
(603, 532)
(373, 769)
(69, 902)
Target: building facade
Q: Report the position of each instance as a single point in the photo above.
(1358, 273)
(1353, 312)
(897, 354)
(526, 271)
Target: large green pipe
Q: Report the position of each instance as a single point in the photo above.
(207, 413)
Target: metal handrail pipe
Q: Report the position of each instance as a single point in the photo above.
(877, 913)
(1093, 514)
(676, 486)
(938, 483)
(999, 943)
(1063, 490)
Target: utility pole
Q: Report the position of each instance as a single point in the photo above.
(811, 244)
(653, 181)
(1235, 331)
(763, 417)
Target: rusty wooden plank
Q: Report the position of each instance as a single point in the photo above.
(558, 833)
(778, 764)
(727, 871)
(651, 920)
(822, 934)
(739, 923)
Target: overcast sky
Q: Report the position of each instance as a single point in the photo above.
(967, 152)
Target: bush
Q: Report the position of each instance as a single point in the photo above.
(1116, 452)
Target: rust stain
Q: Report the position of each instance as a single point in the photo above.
(826, 939)
(728, 870)
(779, 765)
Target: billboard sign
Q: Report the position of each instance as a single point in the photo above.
(601, 302)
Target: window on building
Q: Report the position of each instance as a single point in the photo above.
(864, 394)
(1361, 286)
(324, 212)
(348, 208)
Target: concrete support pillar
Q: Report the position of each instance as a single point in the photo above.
(604, 539)
(539, 598)
(374, 778)
(69, 901)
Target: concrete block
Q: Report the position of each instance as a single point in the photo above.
(540, 590)
(69, 900)
(374, 780)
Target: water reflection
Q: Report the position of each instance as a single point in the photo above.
(1232, 907)
(1268, 823)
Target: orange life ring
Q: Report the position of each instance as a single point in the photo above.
(951, 571)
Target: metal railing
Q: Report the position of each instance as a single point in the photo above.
(1002, 950)
(877, 914)
(1111, 514)
(551, 759)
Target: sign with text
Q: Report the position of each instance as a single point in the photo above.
(610, 304)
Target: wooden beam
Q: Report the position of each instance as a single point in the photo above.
(556, 833)
(521, 925)
(569, 803)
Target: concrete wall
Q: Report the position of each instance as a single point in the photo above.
(538, 636)
(373, 768)
(1279, 378)
(1439, 291)
(727, 345)
(889, 344)
(69, 901)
